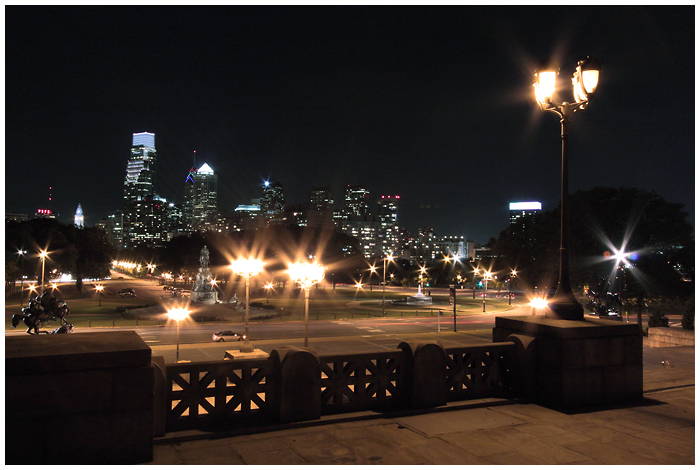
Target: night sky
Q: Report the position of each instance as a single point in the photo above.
(434, 104)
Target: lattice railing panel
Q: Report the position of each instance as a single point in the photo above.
(478, 371)
(203, 393)
(360, 381)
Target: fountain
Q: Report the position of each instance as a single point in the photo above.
(418, 299)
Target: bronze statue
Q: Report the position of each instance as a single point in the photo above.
(44, 307)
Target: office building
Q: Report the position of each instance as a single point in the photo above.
(141, 211)
(388, 218)
(200, 205)
(521, 210)
(272, 202)
(320, 208)
(356, 201)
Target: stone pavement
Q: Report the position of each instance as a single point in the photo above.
(659, 430)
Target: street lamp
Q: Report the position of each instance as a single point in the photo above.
(390, 258)
(513, 274)
(247, 268)
(306, 275)
(21, 254)
(43, 256)
(178, 314)
(99, 290)
(538, 303)
(585, 80)
(487, 276)
(268, 286)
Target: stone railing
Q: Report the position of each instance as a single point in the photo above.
(298, 384)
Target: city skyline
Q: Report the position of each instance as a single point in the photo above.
(434, 104)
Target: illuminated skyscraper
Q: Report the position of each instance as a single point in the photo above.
(272, 202)
(356, 201)
(520, 210)
(388, 216)
(141, 224)
(200, 197)
(78, 220)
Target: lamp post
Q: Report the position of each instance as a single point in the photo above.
(513, 273)
(247, 268)
(306, 275)
(21, 254)
(268, 286)
(487, 276)
(585, 80)
(178, 314)
(43, 256)
(99, 290)
(390, 258)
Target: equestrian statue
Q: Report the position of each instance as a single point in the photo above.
(43, 307)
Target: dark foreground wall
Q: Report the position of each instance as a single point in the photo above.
(78, 399)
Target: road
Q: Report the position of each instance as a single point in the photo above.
(326, 336)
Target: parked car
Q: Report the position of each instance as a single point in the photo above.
(224, 335)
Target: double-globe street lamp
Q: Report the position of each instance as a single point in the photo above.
(585, 80)
(178, 314)
(389, 258)
(306, 275)
(247, 268)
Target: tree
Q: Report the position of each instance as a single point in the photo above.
(604, 220)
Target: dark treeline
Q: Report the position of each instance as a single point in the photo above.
(603, 220)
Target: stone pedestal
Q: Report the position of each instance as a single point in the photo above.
(81, 398)
(208, 297)
(580, 363)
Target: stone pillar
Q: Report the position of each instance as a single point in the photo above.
(297, 384)
(159, 396)
(580, 363)
(77, 399)
(426, 376)
(524, 365)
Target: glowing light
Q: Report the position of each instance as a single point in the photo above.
(538, 303)
(247, 267)
(545, 83)
(205, 170)
(525, 206)
(178, 314)
(306, 274)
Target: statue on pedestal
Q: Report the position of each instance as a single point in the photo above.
(203, 290)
